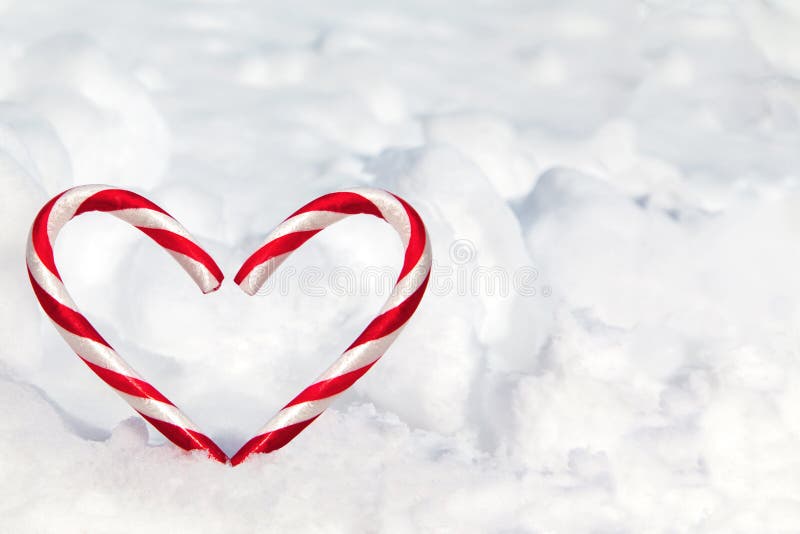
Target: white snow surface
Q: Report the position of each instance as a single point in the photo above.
(637, 161)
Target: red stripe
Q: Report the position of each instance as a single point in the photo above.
(187, 439)
(351, 203)
(416, 241)
(330, 387)
(274, 248)
(391, 320)
(65, 317)
(178, 243)
(270, 441)
(116, 199)
(41, 241)
(126, 384)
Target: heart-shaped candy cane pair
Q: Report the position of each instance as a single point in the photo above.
(101, 358)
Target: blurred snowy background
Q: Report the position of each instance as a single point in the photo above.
(638, 159)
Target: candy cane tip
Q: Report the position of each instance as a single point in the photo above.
(249, 287)
(221, 457)
(211, 289)
(216, 454)
(248, 450)
(250, 291)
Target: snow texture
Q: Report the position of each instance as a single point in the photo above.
(630, 168)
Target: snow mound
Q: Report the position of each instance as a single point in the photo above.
(608, 342)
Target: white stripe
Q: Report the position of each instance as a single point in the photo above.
(411, 281)
(297, 414)
(304, 222)
(201, 275)
(98, 354)
(391, 209)
(359, 356)
(65, 207)
(46, 279)
(158, 410)
(147, 218)
(261, 273)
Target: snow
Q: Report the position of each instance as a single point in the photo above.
(630, 167)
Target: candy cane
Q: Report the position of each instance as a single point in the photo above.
(87, 343)
(378, 335)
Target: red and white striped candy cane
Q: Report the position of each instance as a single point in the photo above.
(378, 335)
(76, 329)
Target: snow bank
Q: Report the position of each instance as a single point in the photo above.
(608, 343)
